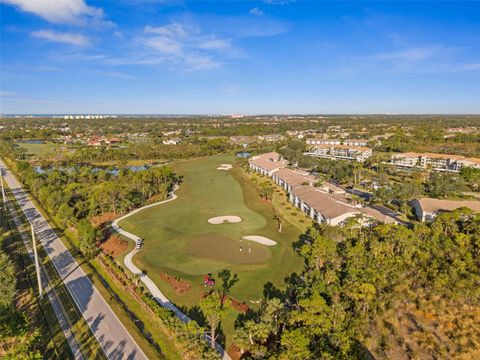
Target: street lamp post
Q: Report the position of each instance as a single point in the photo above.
(37, 266)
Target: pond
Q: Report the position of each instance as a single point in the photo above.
(32, 141)
(112, 171)
(243, 154)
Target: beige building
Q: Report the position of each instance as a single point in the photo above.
(290, 179)
(244, 141)
(342, 152)
(333, 210)
(438, 162)
(326, 204)
(426, 209)
(271, 137)
(267, 164)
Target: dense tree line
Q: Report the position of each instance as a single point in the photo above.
(75, 194)
(354, 278)
(17, 340)
(151, 151)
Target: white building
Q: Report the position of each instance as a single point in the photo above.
(271, 137)
(438, 162)
(342, 152)
(174, 141)
(318, 141)
(426, 209)
(290, 179)
(355, 142)
(333, 210)
(267, 164)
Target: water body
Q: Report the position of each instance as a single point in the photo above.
(243, 154)
(114, 171)
(32, 141)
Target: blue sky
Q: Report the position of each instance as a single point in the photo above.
(272, 56)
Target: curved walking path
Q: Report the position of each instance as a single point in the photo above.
(151, 286)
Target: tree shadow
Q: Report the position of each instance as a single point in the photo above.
(221, 339)
(195, 313)
(303, 239)
(362, 351)
(270, 291)
(250, 314)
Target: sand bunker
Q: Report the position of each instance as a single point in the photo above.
(221, 219)
(224, 167)
(260, 239)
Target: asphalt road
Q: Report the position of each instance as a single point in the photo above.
(114, 339)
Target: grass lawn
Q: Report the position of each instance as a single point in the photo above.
(47, 149)
(179, 241)
(37, 149)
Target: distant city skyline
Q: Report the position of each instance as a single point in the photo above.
(239, 57)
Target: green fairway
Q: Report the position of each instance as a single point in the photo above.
(42, 149)
(178, 239)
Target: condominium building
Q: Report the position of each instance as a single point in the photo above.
(267, 164)
(343, 152)
(318, 141)
(333, 210)
(271, 137)
(324, 204)
(426, 209)
(290, 179)
(355, 142)
(439, 162)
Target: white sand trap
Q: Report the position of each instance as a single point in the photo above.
(225, 167)
(260, 239)
(221, 219)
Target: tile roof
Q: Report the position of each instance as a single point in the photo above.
(433, 205)
(295, 178)
(322, 203)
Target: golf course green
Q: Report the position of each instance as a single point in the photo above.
(179, 240)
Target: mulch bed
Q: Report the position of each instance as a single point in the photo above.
(234, 352)
(114, 246)
(238, 305)
(179, 286)
(101, 219)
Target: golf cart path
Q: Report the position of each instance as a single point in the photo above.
(151, 286)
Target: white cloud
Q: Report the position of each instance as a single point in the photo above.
(6, 93)
(171, 30)
(256, 11)
(164, 44)
(75, 12)
(62, 37)
(119, 75)
(184, 45)
(278, 2)
(214, 44)
(410, 54)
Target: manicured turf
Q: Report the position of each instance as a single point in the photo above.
(38, 149)
(179, 240)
